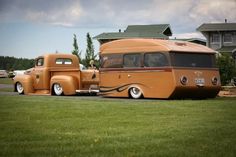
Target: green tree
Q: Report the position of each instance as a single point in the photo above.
(227, 68)
(76, 49)
(89, 55)
(9, 63)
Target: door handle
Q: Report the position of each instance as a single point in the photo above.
(129, 75)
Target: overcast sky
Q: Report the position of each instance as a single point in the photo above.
(29, 28)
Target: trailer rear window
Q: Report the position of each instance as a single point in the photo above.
(200, 60)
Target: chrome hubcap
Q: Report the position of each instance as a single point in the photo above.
(19, 87)
(135, 93)
(58, 89)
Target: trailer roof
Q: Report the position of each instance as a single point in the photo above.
(152, 45)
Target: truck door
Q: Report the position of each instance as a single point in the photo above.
(39, 74)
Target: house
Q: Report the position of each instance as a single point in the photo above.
(220, 36)
(193, 40)
(158, 31)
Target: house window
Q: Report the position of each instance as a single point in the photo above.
(228, 38)
(215, 38)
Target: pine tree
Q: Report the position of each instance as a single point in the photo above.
(76, 49)
(89, 51)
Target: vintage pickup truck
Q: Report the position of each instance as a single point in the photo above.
(57, 74)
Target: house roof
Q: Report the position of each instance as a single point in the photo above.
(217, 27)
(227, 49)
(191, 39)
(125, 35)
(139, 31)
(159, 29)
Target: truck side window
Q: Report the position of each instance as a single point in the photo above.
(40, 62)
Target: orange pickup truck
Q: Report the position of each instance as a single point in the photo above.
(57, 74)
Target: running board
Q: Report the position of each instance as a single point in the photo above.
(87, 91)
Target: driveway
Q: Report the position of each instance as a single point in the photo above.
(6, 86)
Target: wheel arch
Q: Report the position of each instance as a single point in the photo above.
(68, 84)
(26, 81)
(136, 86)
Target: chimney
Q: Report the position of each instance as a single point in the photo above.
(225, 20)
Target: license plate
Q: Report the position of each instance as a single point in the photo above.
(199, 80)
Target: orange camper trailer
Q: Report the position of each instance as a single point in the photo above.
(153, 68)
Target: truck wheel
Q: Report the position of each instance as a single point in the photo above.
(57, 89)
(19, 88)
(135, 93)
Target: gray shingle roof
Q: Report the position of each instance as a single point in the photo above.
(217, 27)
(125, 35)
(139, 31)
(148, 28)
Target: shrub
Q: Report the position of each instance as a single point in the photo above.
(227, 68)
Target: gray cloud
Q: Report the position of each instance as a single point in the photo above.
(56, 12)
(183, 15)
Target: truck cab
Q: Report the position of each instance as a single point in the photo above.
(57, 74)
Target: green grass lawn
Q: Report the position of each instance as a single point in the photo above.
(6, 81)
(74, 126)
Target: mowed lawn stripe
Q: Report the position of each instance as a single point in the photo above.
(75, 126)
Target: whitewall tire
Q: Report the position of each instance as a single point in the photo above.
(135, 93)
(19, 88)
(57, 89)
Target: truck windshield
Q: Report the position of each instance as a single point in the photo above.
(201, 60)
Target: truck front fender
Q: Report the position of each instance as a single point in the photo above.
(68, 84)
(26, 81)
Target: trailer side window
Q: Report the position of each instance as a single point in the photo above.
(111, 61)
(132, 60)
(155, 60)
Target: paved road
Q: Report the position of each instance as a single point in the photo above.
(82, 97)
(6, 86)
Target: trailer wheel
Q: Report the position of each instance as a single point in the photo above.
(57, 89)
(135, 93)
(19, 88)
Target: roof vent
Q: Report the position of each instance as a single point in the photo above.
(180, 44)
